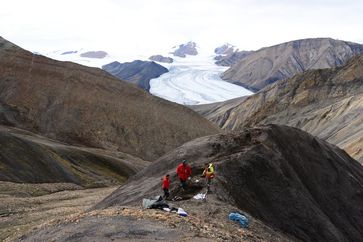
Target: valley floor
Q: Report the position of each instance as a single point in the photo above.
(26, 207)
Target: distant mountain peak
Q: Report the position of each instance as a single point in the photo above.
(94, 54)
(225, 49)
(183, 50)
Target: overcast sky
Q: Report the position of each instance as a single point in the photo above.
(140, 26)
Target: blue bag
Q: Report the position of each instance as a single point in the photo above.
(242, 219)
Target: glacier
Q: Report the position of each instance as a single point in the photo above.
(195, 80)
(191, 80)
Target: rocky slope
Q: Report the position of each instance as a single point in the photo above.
(183, 50)
(231, 58)
(29, 158)
(326, 103)
(87, 106)
(137, 72)
(218, 112)
(160, 58)
(227, 55)
(290, 180)
(282, 61)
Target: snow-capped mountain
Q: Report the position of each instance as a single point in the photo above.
(191, 80)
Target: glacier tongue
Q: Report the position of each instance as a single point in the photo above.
(195, 80)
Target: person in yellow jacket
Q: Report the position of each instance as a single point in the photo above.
(209, 174)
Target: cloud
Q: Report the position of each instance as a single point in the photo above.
(150, 26)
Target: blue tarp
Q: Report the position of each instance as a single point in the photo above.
(242, 219)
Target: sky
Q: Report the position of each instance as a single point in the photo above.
(154, 26)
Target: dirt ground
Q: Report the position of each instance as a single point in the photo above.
(65, 216)
(24, 207)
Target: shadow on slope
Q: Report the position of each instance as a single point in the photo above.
(29, 158)
(289, 179)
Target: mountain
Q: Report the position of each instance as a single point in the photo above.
(183, 50)
(227, 55)
(87, 57)
(231, 58)
(160, 58)
(94, 54)
(282, 61)
(30, 158)
(87, 106)
(137, 72)
(224, 49)
(327, 103)
(291, 181)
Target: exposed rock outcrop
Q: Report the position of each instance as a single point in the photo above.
(225, 49)
(137, 72)
(87, 106)
(94, 54)
(327, 103)
(268, 65)
(160, 58)
(183, 50)
(232, 58)
(292, 181)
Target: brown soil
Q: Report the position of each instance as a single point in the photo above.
(24, 207)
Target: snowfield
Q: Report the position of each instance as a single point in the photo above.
(190, 81)
(195, 80)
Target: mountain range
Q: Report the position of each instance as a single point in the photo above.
(265, 66)
(87, 106)
(68, 126)
(325, 102)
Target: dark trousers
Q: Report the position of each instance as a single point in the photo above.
(166, 192)
(183, 183)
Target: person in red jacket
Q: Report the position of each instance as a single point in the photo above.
(166, 185)
(184, 172)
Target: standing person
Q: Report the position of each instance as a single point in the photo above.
(184, 172)
(166, 185)
(208, 173)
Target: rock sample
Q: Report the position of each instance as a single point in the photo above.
(160, 58)
(327, 103)
(268, 65)
(183, 50)
(29, 158)
(137, 72)
(87, 106)
(94, 54)
(290, 180)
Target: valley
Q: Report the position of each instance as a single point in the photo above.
(82, 147)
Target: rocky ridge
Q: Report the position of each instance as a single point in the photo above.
(326, 103)
(288, 179)
(87, 106)
(270, 64)
(30, 158)
(136, 72)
